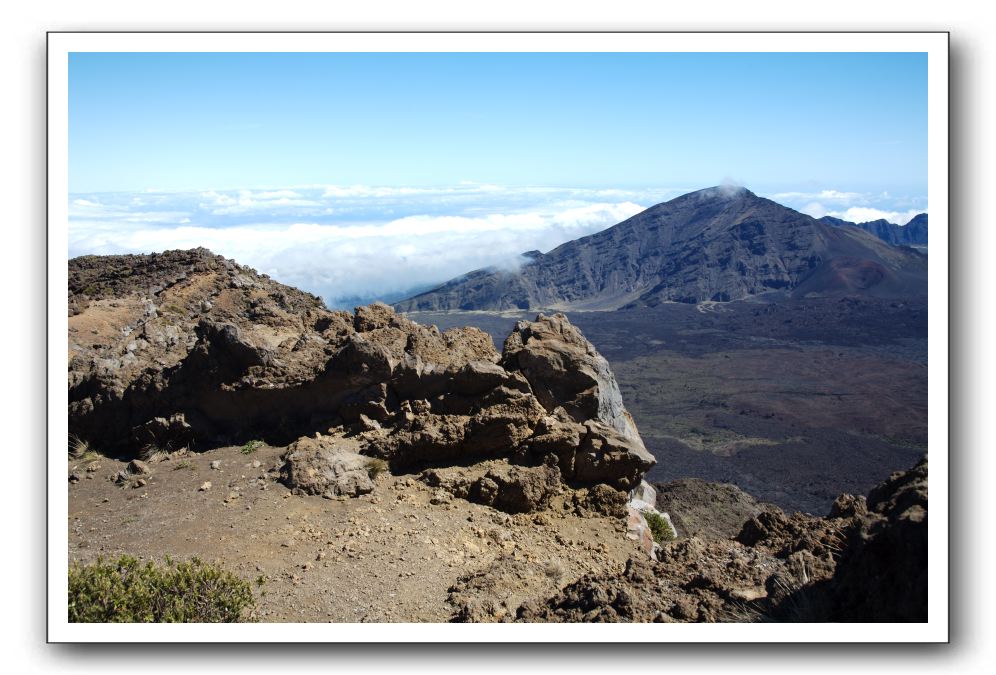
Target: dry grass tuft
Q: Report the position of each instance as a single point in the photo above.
(375, 467)
(81, 450)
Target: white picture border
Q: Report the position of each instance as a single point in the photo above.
(934, 44)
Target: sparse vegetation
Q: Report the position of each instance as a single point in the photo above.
(375, 467)
(81, 450)
(251, 447)
(184, 464)
(554, 570)
(659, 528)
(153, 454)
(128, 591)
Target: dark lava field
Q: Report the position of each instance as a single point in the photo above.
(794, 402)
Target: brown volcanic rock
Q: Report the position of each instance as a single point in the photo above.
(882, 575)
(190, 349)
(316, 466)
(568, 374)
(513, 489)
(857, 564)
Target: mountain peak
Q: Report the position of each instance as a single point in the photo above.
(720, 192)
(718, 244)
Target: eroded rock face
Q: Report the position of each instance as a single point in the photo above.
(882, 574)
(224, 355)
(857, 564)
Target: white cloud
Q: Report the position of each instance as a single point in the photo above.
(814, 209)
(823, 195)
(359, 240)
(863, 214)
(342, 259)
(246, 201)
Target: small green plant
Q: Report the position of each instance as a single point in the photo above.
(251, 447)
(127, 591)
(659, 528)
(375, 467)
(184, 464)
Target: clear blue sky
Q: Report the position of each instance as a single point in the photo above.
(771, 121)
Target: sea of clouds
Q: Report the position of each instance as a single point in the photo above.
(353, 244)
(855, 207)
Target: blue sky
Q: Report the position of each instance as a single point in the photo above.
(195, 121)
(425, 166)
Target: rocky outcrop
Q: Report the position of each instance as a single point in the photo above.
(210, 353)
(882, 573)
(865, 561)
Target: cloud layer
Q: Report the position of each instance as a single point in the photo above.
(351, 243)
(856, 207)
(355, 243)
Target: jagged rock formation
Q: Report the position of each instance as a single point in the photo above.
(866, 561)
(882, 573)
(190, 349)
(717, 244)
(913, 233)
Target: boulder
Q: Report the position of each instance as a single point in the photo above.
(565, 370)
(521, 489)
(513, 489)
(607, 456)
(601, 499)
(229, 348)
(317, 467)
(138, 467)
(570, 378)
(374, 316)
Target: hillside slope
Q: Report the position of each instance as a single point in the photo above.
(913, 233)
(717, 244)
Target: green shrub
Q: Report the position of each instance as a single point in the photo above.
(659, 528)
(251, 447)
(128, 591)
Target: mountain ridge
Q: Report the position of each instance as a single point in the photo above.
(913, 233)
(717, 244)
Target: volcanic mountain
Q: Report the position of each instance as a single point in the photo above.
(717, 244)
(913, 233)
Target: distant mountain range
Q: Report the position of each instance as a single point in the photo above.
(717, 244)
(913, 233)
